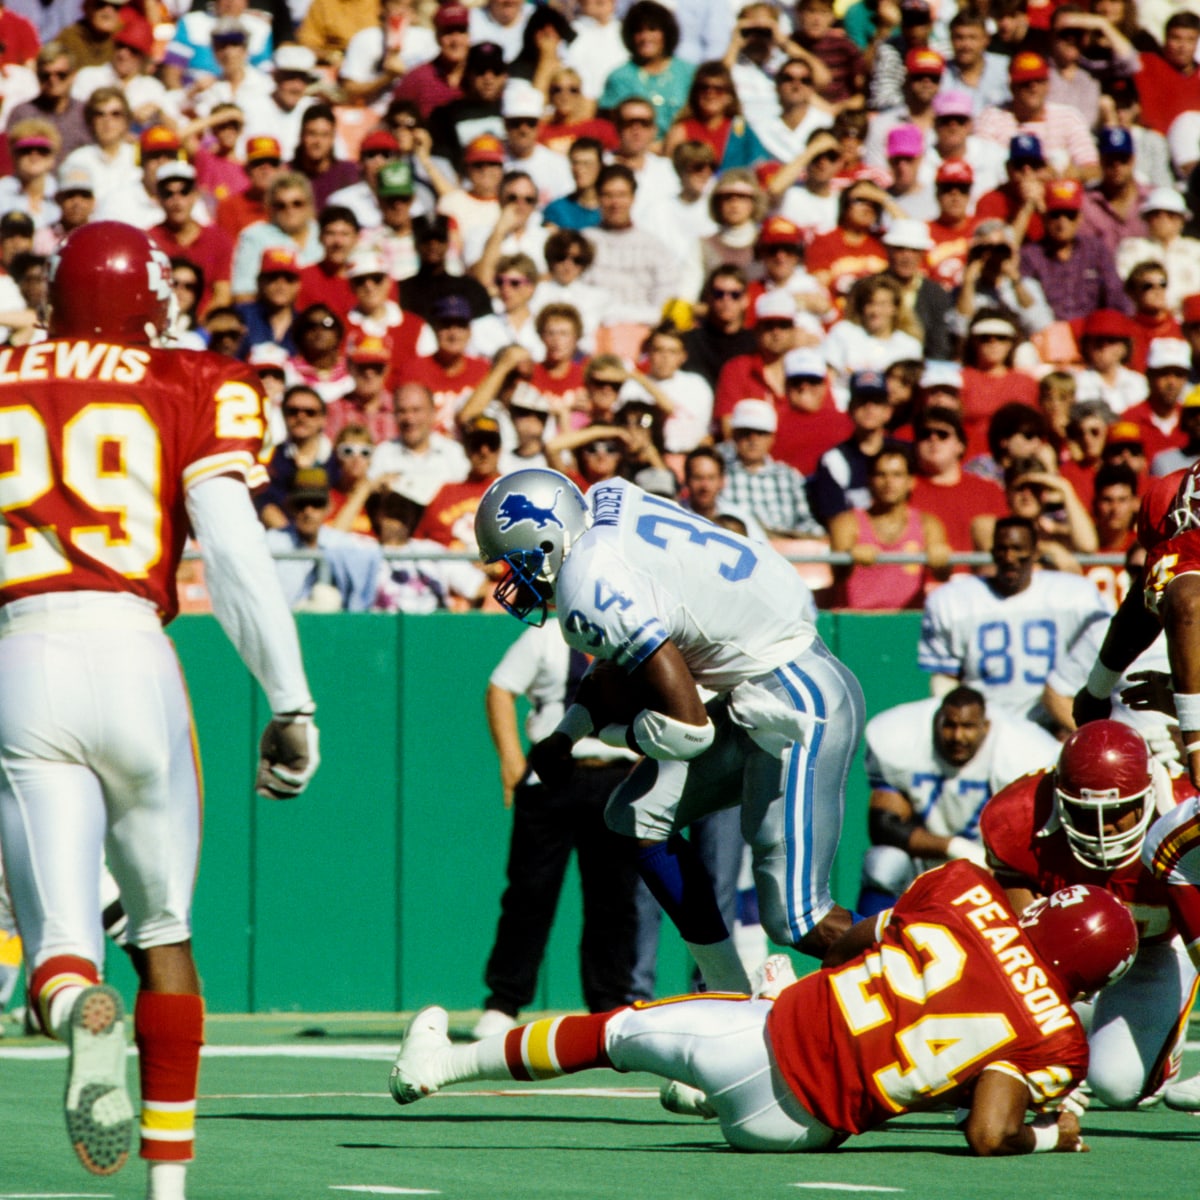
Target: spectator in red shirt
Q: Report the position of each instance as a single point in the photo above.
(1168, 361)
(370, 404)
(435, 83)
(19, 42)
(328, 281)
(180, 235)
(449, 373)
(1147, 286)
(449, 517)
(1169, 83)
(989, 378)
(850, 252)
(809, 421)
(264, 161)
(1021, 201)
(759, 376)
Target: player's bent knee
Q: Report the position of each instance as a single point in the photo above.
(1117, 1085)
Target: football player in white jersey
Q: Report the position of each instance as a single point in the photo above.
(932, 766)
(1004, 634)
(671, 601)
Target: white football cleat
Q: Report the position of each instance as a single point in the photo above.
(1183, 1096)
(414, 1074)
(491, 1023)
(775, 973)
(97, 1105)
(685, 1100)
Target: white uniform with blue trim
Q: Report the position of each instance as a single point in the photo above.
(1006, 646)
(788, 715)
(902, 757)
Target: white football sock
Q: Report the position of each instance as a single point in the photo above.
(165, 1181)
(721, 967)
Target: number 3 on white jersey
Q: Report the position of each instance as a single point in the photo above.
(111, 461)
(937, 1047)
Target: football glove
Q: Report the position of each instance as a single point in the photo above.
(288, 755)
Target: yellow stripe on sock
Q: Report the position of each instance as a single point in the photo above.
(156, 1120)
(539, 1056)
(10, 949)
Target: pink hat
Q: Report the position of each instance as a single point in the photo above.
(905, 141)
(952, 104)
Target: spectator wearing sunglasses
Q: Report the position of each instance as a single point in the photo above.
(192, 40)
(1165, 213)
(478, 111)
(290, 223)
(180, 235)
(305, 446)
(786, 133)
(269, 318)
(32, 144)
(580, 208)
(350, 483)
(524, 107)
(517, 229)
(55, 69)
(377, 314)
(112, 157)
(721, 334)
(1112, 210)
(237, 81)
(653, 72)
(571, 116)
(568, 255)
(512, 322)
(318, 361)
(264, 164)
(370, 403)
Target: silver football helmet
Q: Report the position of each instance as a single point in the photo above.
(529, 520)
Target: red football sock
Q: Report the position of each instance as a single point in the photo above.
(49, 980)
(556, 1046)
(169, 1033)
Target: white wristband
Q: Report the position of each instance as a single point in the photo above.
(576, 723)
(1187, 709)
(1045, 1135)
(1102, 680)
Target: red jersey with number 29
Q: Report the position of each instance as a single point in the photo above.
(951, 988)
(98, 445)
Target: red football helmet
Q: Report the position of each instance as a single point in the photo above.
(109, 281)
(1103, 774)
(1084, 934)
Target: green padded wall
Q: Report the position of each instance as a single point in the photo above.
(378, 890)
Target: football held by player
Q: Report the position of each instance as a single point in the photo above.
(119, 446)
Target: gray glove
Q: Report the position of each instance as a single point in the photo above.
(288, 755)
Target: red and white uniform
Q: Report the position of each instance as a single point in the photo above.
(1139, 1021)
(952, 988)
(1168, 527)
(103, 451)
(1171, 851)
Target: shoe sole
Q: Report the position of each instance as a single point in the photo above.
(404, 1088)
(98, 1110)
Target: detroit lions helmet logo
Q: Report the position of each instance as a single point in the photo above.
(517, 507)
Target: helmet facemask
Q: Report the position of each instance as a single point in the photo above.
(1084, 816)
(525, 591)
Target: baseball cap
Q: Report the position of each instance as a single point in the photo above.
(953, 104)
(1168, 352)
(16, 224)
(486, 56)
(923, 61)
(137, 35)
(754, 414)
(526, 398)
(158, 138)
(1026, 147)
(632, 392)
(1063, 195)
(915, 11)
(1114, 139)
(310, 483)
(263, 148)
(905, 141)
(267, 354)
(1106, 322)
(522, 102)
(431, 227)
(804, 363)
(279, 260)
(293, 59)
(940, 373)
(779, 231)
(174, 170)
(229, 31)
(452, 308)
(366, 264)
(908, 234)
(1124, 433)
(955, 170)
(364, 348)
(868, 385)
(379, 139)
(74, 179)
(997, 326)
(1027, 66)
(940, 415)
(451, 17)
(33, 141)
(487, 148)
(776, 305)
(1164, 199)
(482, 430)
(1189, 310)
(395, 179)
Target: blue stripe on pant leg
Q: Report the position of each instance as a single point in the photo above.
(798, 817)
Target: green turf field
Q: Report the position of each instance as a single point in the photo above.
(297, 1107)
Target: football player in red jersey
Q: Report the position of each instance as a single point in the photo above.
(945, 998)
(110, 448)
(1085, 822)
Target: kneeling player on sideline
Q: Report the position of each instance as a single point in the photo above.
(946, 997)
(1084, 821)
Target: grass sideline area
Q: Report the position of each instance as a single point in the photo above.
(294, 1106)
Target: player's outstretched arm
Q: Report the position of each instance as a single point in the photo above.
(996, 1124)
(249, 604)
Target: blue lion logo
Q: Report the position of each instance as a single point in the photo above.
(517, 507)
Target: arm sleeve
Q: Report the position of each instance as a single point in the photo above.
(247, 599)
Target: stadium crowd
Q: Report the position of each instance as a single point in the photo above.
(456, 239)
